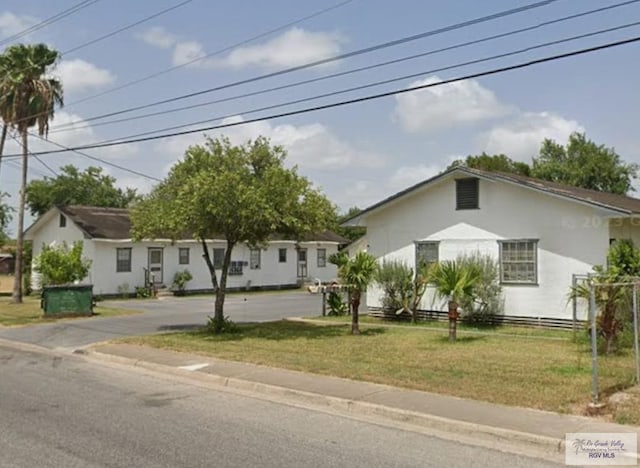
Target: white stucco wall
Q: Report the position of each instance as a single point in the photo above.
(572, 237)
(271, 272)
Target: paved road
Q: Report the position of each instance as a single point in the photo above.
(62, 411)
(164, 315)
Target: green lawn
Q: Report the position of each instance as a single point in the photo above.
(546, 373)
(29, 312)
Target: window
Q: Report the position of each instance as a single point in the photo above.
(282, 255)
(254, 259)
(183, 256)
(322, 258)
(63, 220)
(519, 261)
(218, 258)
(426, 254)
(467, 194)
(235, 269)
(123, 260)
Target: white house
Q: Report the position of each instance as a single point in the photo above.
(120, 265)
(540, 232)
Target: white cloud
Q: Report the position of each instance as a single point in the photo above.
(188, 51)
(79, 75)
(158, 37)
(11, 23)
(520, 138)
(406, 176)
(294, 47)
(446, 106)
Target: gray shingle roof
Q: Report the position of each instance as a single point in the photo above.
(114, 223)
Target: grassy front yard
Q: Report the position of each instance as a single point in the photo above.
(29, 312)
(544, 372)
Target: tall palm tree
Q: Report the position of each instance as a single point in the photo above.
(28, 98)
(5, 126)
(358, 272)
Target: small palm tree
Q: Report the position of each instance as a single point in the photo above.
(28, 98)
(453, 281)
(358, 272)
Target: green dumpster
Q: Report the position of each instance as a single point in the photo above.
(72, 299)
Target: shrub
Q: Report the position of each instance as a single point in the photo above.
(486, 300)
(144, 292)
(223, 326)
(180, 280)
(336, 305)
(395, 278)
(123, 290)
(61, 264)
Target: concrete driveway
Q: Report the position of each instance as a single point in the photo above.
(162, 315)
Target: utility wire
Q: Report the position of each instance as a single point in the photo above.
(370, 97)
(48, 21)
(383, 82)
(69, 126)
(128, 26)
(334, 58)
(212, 54)
(19, 142)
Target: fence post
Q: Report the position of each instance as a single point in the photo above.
(594, 341)
(324, 301)
(635, 330)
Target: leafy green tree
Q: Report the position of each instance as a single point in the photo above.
(6, 215)
(61, 264)
(583, 163)
(72, 187)
(28, 97)
(243, 193)
(493, 163)
(358, 272)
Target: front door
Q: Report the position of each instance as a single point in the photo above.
(302, 263)
(155, 264)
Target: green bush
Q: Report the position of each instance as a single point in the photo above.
(486, 300)
(224, 326)
(396, 280)
(180, 280)
(61, 264)
(144, 292)
(336, 305)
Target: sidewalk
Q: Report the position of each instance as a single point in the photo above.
(546, 430)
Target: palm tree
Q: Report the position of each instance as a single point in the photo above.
(358, 272)
(453, 281)
(28, 98)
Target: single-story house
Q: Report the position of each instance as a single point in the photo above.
(541, 233)
(119, 264)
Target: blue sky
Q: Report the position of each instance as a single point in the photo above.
(357, 154)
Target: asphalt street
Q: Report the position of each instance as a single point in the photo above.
(63, 411)
(161, 315)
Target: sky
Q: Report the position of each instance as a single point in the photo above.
(357, 154)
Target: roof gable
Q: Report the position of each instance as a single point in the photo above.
(616, 203)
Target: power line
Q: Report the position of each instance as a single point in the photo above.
(360, 99)
(334, 58)
(69, 126)
(48, 21)
(212, 54)
(19, 142)
(383, 82)
(128, 26)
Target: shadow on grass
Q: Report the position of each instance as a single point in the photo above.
(462, 339)
(283, 330)
(181, 327)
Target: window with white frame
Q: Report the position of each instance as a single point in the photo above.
(519, 261)
(218, 258)
(254, 259)
(282, 255)
(123, 260)
(322, 258)
(235, 268)
(426, 254)
(183, 256)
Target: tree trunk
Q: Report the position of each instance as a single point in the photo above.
(355, 303)
(453, 320)
(218, 312)
(16, 296)
(210, 266)
(3, 139)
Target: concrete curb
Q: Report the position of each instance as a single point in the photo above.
(495, 435)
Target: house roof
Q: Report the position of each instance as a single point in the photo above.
(618, 203)
(115, 223)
